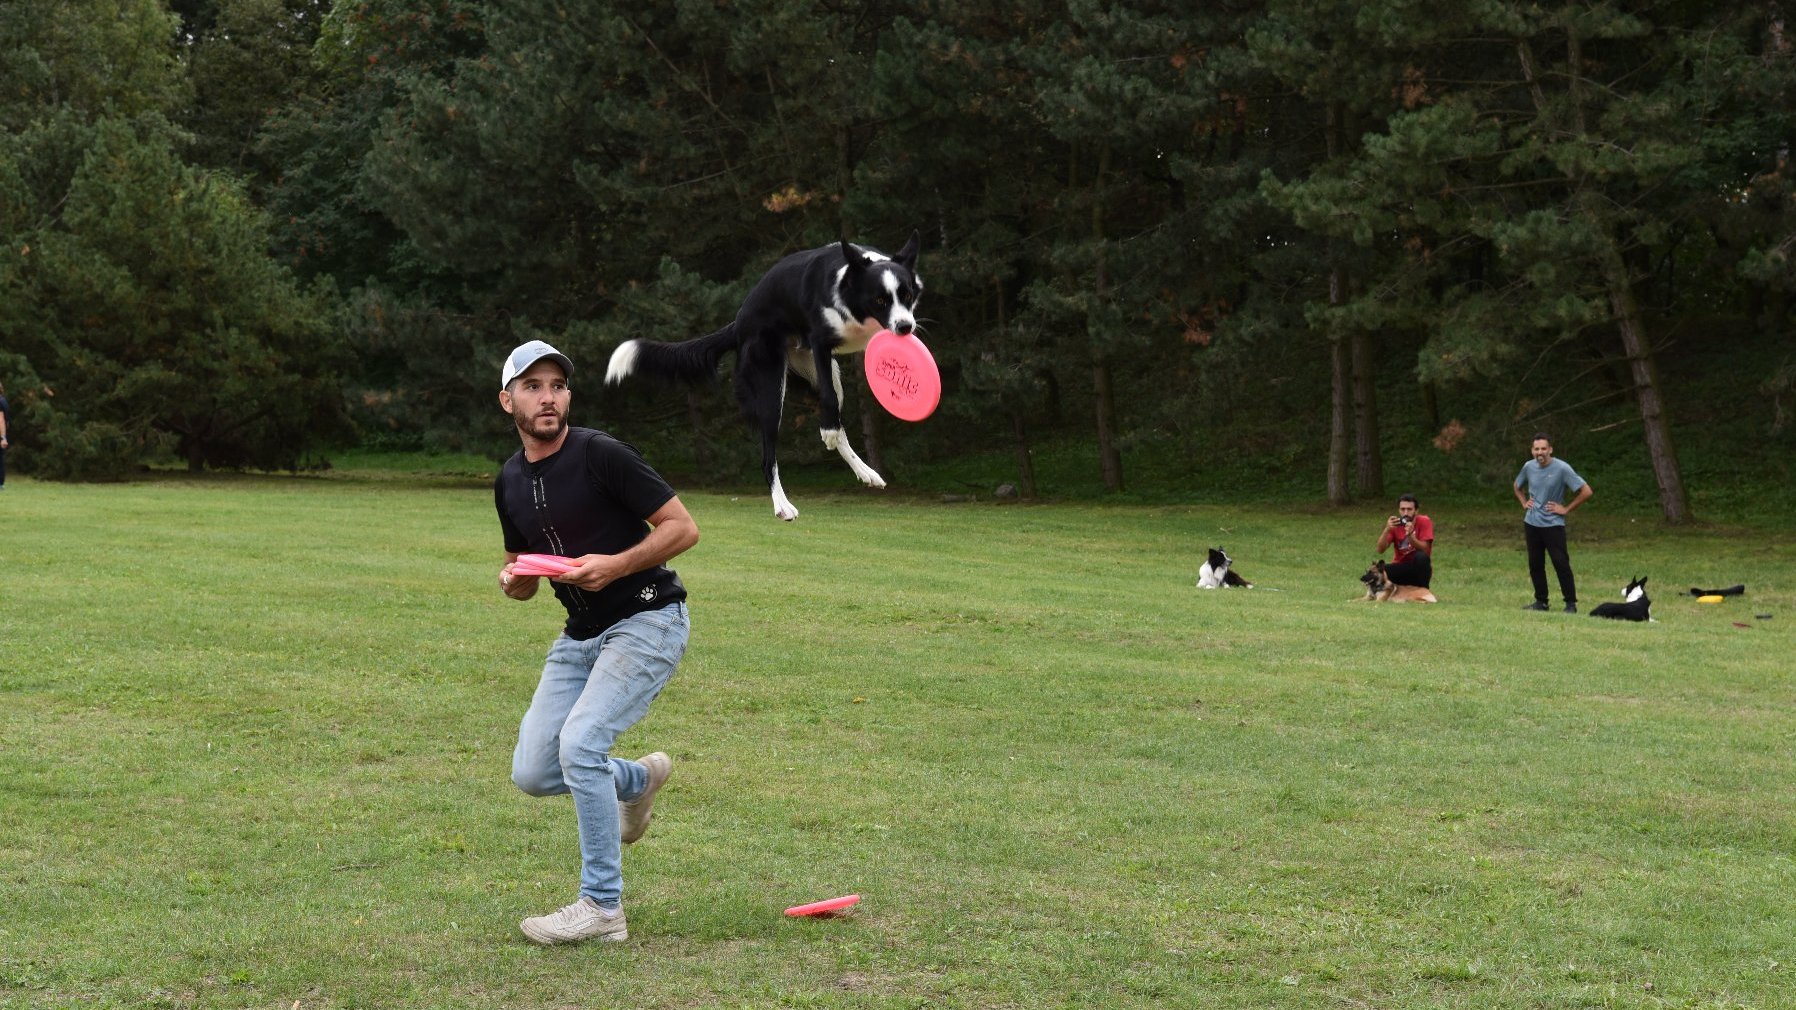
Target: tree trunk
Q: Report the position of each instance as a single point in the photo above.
(1109, 456)
(1370, 470)
(1025, 463)
(875, 455)
(1337, 426)
(701, 450)
(1106, 410)
(1673, 501)
(1338, 363)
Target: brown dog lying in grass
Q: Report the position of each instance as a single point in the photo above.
(1380, 588)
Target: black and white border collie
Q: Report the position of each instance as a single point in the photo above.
(1635, 605)
(809, 308)
(1218, 572)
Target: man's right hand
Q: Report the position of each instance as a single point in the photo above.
(518, 587)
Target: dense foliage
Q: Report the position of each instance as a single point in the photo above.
(1158, 230)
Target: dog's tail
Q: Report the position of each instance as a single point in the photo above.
(686, 361)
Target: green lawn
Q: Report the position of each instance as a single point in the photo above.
(255, 740)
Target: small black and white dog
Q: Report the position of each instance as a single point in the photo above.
(1219, 572)
(1635, 605)
(810, 307)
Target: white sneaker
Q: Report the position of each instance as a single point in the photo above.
(633, 816)
(582, 920)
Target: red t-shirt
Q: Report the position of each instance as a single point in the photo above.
(1407, 546)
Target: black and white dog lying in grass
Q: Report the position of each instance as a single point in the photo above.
(810, 307)
(1219, 572)
(1634, 605)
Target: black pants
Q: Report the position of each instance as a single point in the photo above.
(1543, 541)
(1417, 571)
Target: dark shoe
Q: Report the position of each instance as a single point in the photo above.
(1570, 608)
(1536, 605)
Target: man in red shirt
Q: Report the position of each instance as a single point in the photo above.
(1412, 534)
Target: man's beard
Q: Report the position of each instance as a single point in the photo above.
(527, 424)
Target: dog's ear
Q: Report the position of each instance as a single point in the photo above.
(856, 260)
(907, 256)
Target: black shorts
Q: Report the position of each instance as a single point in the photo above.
(1417, 571)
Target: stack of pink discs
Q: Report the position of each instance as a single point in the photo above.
(542, 564)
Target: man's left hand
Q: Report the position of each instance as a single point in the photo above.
(593, 572)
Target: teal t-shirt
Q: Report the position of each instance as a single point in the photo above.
(1551, 483)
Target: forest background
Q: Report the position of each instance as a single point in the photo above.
(1308, 250)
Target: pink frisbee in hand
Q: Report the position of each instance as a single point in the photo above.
(824, 907)
(554, 561)
(542, 564)
(902, 374)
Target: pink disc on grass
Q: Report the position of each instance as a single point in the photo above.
(824, 907)
(902, 374)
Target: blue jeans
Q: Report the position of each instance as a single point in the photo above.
(590, 692)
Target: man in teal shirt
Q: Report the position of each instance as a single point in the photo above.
(1548, 481)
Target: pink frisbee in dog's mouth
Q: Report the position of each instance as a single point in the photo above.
(902, 374)
(826, 907)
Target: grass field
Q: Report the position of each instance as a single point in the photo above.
(255, 739)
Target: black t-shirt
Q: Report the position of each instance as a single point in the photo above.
(591, 497)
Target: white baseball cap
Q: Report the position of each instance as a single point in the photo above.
(526, 354)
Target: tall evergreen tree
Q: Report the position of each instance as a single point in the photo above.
(1342, 79)
(245, 59)
(150, 306)
(135, 290)
(87, 57)
(1548, 161)
(418, 334)
(1086, 163)
(556, 172)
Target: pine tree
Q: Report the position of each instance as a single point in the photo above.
(135, 290)
(1544, 159)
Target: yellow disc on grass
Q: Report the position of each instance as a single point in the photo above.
(1711, 598)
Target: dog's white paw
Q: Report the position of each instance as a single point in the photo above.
(832, 439)
(782, 506)
(870, 478)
